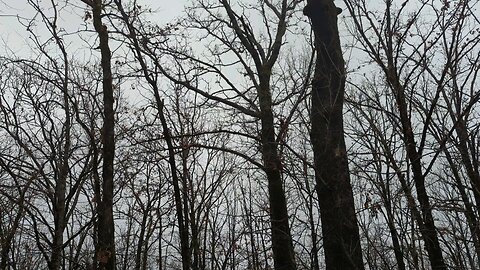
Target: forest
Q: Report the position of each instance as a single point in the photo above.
(239, 134)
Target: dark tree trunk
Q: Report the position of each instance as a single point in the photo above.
(282, 245)
(181, 212)
(469, 206)
(283, 254)
(59, 204)
(397, 249)
(141, 240)
(313, 230)
(428, 230)
(341, 240)
(182, 223)
(106, 238)
(59, 212)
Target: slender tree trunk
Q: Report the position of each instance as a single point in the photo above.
(282, 245)
(394, 234)
(9, 235)
(106, 235)
(181, 218)
(313, 234)
(470, 164)
(140, 243)
(429, 231)
(180, 211)
(59, 205)
(59, 209)
(469, 206)
(341, 240)
(284, 257)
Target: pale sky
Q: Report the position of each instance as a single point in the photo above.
(14, 36)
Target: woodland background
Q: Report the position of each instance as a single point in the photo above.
(159, 119)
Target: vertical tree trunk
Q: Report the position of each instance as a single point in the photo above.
(181, 212)
(181, 216)
(341, 240)
(393, 231)
(469, 206)
(106, 238)
(59, 207)
(282, 245)
(283, 253)
(140, 243)
(429, 232)
(59, 204)
(313, 230)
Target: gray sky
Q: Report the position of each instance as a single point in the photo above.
(15, 37)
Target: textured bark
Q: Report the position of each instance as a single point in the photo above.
(341, 239)
(105, 250)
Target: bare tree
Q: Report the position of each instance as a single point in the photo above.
(247, 49)
(105, 249)
(341, 240)
(419, 57)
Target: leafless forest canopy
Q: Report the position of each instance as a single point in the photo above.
(240, 134)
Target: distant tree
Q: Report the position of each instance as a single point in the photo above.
(47, 161)
(420, 50)
(255, 101)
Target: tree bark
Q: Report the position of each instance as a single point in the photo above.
(341, 240)
(105, 251)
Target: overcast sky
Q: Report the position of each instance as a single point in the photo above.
(14, 13)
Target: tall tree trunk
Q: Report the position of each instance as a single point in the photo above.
(397, 249)
(106, 235)
(282, 245)
(181, 217)
(429, 232)
(341, 240)
(59, 204)
(313, 230)
(283, 253)
(182, 214)
(140, 242)
(469, 206)
(59, 208)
